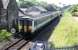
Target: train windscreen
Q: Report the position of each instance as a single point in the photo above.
(25, 25)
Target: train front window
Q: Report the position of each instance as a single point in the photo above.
(25, 25)
(20, 25)
(29, 25)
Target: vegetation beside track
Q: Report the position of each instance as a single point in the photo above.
(4, 35)
(66, 32)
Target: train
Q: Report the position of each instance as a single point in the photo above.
(29, 24)
(20, 23)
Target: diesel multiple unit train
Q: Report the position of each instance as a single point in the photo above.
(26, 20)
(33, 21)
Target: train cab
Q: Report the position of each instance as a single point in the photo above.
(24, 24)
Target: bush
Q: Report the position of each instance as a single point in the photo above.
(75, 14)
(74, 9)
(4, 35)
(26, 3)
(66, 33)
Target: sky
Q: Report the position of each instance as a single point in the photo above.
(61, 2)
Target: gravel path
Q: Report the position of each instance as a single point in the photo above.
(2, 44)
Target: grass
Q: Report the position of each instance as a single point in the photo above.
(4, 35)
(66, 32)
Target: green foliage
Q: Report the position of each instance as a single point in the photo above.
(74, 9)
(66, 33)
(26, 3)
(44, 4)
(4, 35)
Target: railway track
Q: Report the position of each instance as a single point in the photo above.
(17, 45)
(22, 44)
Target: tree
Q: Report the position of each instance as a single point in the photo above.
(26, 3)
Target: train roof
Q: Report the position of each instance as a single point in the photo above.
(32, 11)
(36, 8)
(35, 12)
(39, 16)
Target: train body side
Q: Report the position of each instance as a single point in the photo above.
(41, 21)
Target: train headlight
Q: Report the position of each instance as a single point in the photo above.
(13, 30)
